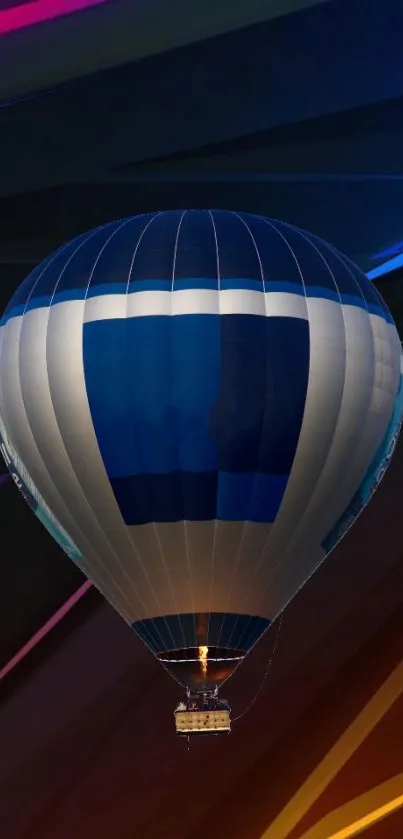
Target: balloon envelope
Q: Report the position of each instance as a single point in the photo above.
(197, 405)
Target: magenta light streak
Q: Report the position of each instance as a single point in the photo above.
(28, 14)
(45, 629)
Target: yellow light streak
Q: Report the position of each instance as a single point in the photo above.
(370, 819)
(347, 744)
(356, 816)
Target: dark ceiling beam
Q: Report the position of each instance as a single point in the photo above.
(359, 215)
(134, 176)
(255, 79)
(119, 32)
(365, 143)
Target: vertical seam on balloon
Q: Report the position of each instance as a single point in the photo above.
(349, 266)
(278, 564)
(238, 555)
(116, 229)
(344, 263)
(294, 595)
(89, 506)
(132, 261)
(284, 238)
(81, 244)
(43, 271)
(271, 224)
(312, 244)
(212, 573)
(179, 472)
(153, 218)
(384, 308)
(82, 241)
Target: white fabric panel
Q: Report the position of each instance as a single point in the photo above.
(201, 541)
(103, 307)
(366, 415)
(339, 476)
(302, 566)
(365, 411)
(40, 408)
(173, 542)
(238, 546)
(241, 302)
(209, 561)
(193, 301)
(324, 394)
(282, 304)
(13, 411)
(40, 405)
(65, 372)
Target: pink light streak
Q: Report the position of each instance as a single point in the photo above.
(39, 11)
(45, 629)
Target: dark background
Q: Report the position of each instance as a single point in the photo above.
(299, 117)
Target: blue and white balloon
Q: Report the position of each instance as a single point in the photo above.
(197, 405)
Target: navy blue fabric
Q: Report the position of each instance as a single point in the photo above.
(197, 417)
(22, 294)
(315, 272)
(347, 285)
(70, 268)
(174, 496)
(264, 376)
(196, 255)
(152, 384)
(347, 276)
(278, 263)
(223, 630)
(374, 301)
(195, 249)
(238, 256)
(114, 262)
(155, 250)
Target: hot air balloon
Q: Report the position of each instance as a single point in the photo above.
(197, 405)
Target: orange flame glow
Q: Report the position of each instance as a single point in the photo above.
(203, 653)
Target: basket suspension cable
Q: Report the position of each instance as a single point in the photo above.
(266, 673)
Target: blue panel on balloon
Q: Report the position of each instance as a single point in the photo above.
(347, 286)
(156, 248)
(196, 254)
(278, 263)
(264, 377)
(70, 269)
(220, 630)
(197, 417)
(238, 257)
(352, 285)
(315, 272)
(152, 384)
(114, 263)
(21, 296)
(175, 496)
(249, 497)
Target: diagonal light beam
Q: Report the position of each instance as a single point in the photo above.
(358, 815)
(45, 629)
(23, 15)
(347, 744)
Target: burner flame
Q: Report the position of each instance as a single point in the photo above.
(203, 653)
